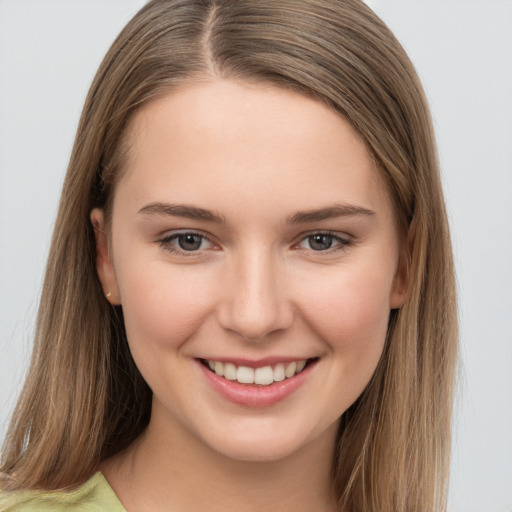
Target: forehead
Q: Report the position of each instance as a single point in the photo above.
(247, 141)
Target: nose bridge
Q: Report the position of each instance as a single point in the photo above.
(256, 303)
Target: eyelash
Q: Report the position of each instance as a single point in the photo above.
(342, 242)
(166, 242)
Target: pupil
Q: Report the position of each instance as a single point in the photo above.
(320, 242)
(189, 242)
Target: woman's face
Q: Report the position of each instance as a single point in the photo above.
(250, 233)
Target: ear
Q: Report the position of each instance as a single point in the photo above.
(104, 265)
(398, 294)
(400, 288)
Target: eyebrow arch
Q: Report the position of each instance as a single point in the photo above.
(331, 212)
(181, 210)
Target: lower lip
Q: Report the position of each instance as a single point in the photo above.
(252, 395)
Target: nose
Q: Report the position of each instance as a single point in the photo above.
(255, 303)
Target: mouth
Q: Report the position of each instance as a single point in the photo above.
(260, 376)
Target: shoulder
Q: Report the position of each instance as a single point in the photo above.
(95, 495)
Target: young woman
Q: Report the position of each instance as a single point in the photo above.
(249, 299)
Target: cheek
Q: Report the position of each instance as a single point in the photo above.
(162, 306)
(350, 312)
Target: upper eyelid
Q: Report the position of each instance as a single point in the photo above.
(300, 236)
(335, 234)
(175, 233)
(181, 233)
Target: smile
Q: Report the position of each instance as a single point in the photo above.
(253, 384)
(262, 376)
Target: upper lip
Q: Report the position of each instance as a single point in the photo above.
(256, 363)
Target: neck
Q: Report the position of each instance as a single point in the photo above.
(175, 471)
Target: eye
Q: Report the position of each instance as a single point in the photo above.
(189, 241)
(323, 242)
(186, 242)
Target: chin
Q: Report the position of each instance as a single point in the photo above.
(258, 451)
(266, 443)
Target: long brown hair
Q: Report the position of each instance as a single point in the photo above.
(85, 400)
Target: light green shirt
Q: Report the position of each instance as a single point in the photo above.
(95, 495)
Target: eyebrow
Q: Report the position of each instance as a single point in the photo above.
(331, 212)
(182, 210)
(300, 217)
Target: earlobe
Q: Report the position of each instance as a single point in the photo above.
(104, 265)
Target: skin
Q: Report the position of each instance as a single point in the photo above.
(255, 155)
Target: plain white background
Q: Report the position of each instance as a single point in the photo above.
(49, 52)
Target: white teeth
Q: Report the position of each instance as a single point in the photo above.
(300, 366)
(245, 375)
(230, 371)
(219, 368)
(290, 370)
(263, 376)
(279, 372)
